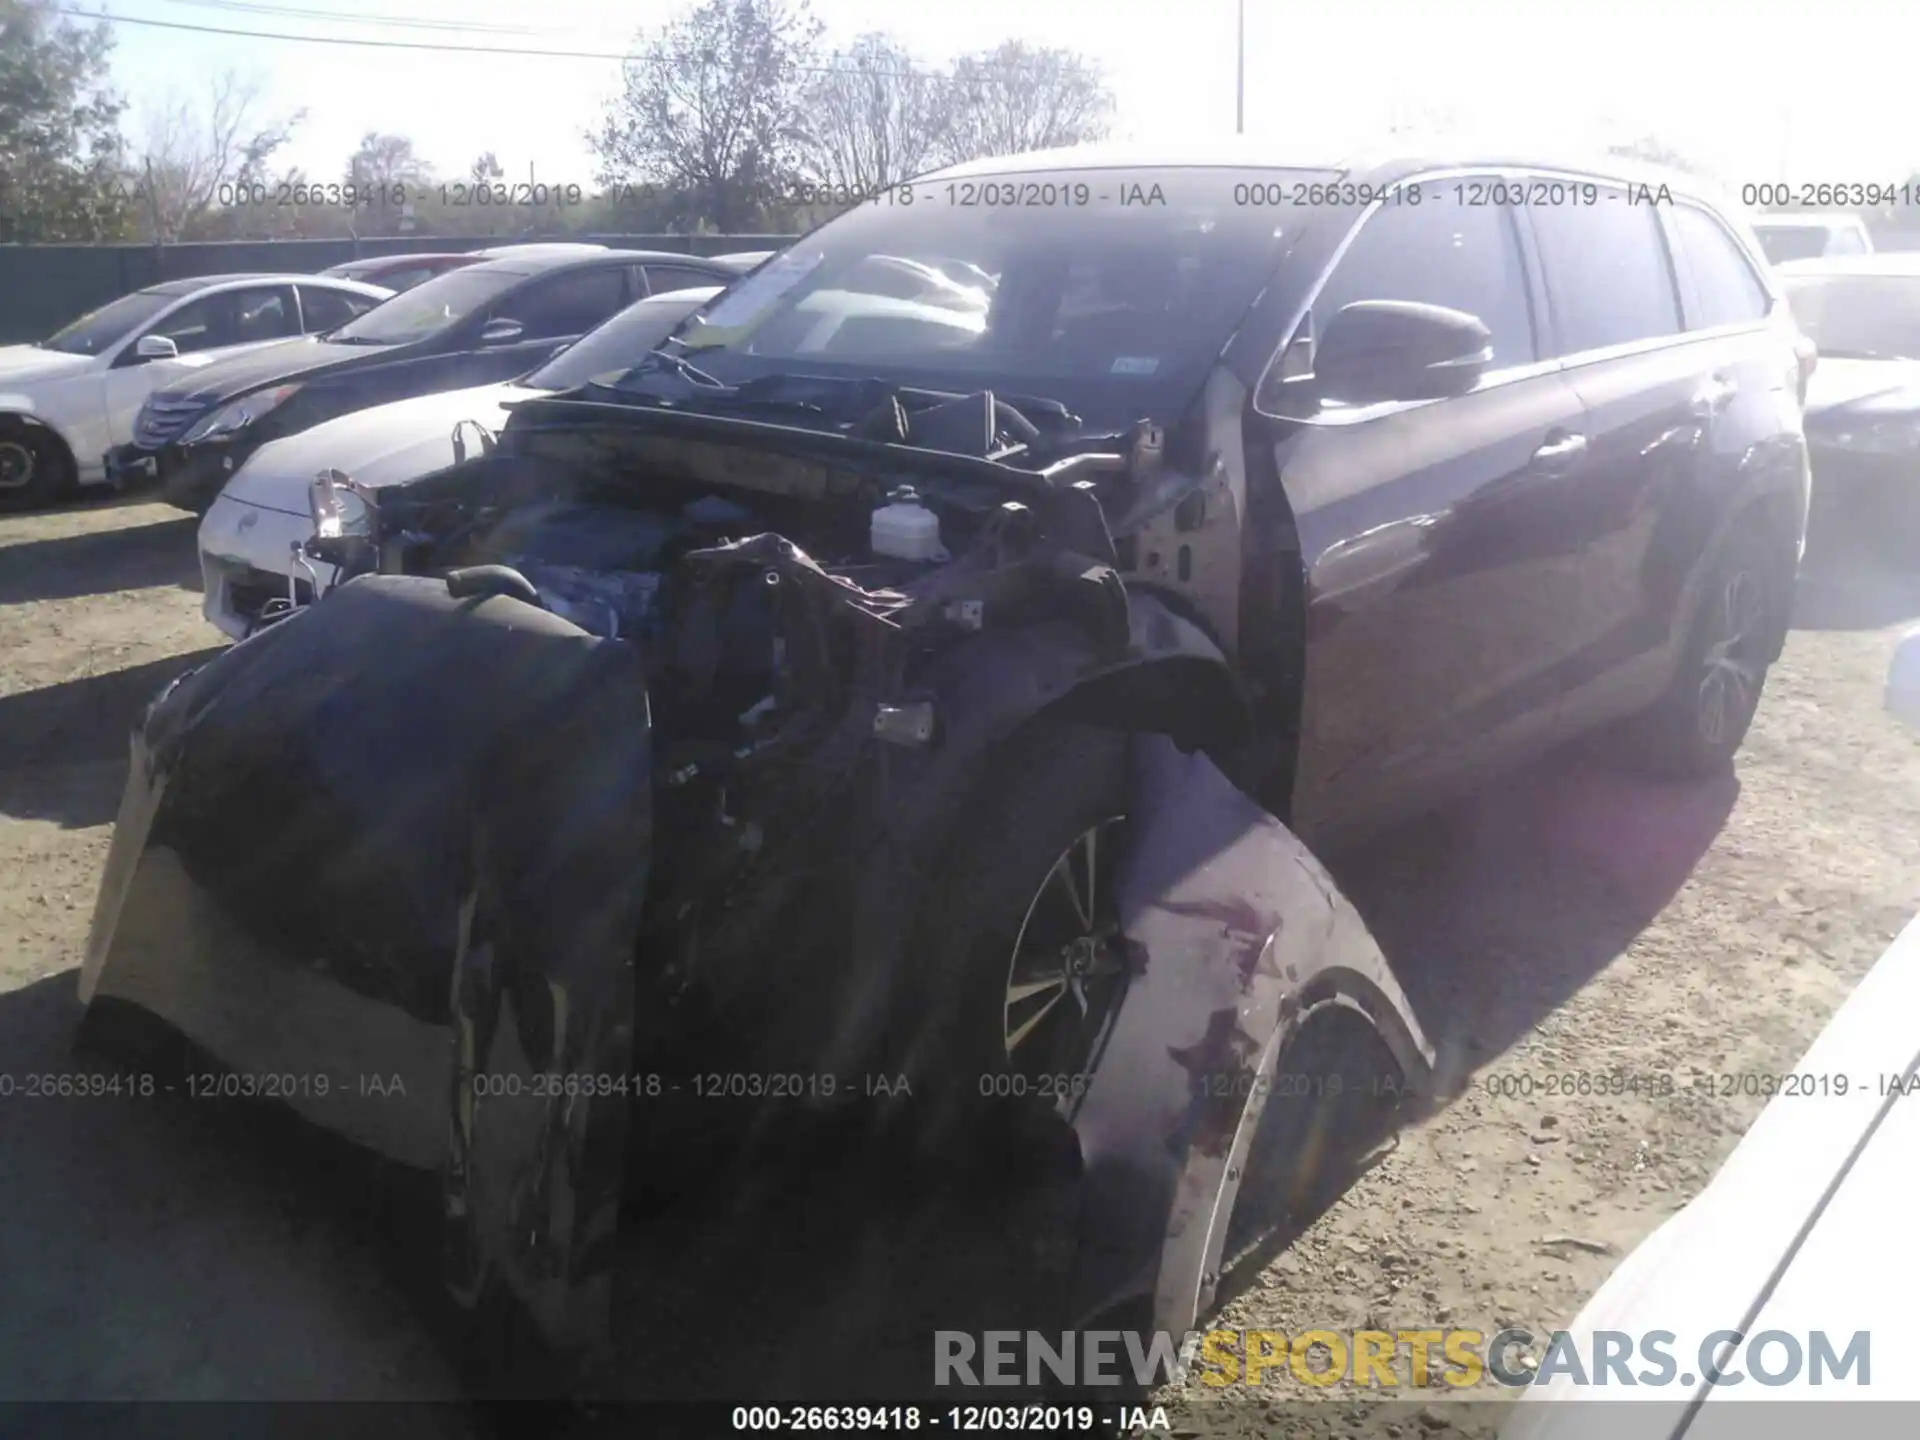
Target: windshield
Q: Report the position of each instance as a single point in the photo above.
(621, 341)
(1870, 315)
(1792, 242)
(428, 308)
(1093, 287)
(100, 329)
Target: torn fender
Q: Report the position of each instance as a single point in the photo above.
(1238, 932)
(386, 861)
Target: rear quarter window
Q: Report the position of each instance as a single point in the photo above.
(1608, 276)
(1723, 280)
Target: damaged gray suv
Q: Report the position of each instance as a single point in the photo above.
(921, 684)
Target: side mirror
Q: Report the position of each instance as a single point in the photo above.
(1379, 350)
(501, 332)
(1903, 680)
(156, 347)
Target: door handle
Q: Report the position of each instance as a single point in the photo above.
(1554, 457)
(1711, 398)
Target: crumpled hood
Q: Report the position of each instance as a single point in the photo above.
(386, 445)
(32, 362)
(1863, 388)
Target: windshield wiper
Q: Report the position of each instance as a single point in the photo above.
(658, 359)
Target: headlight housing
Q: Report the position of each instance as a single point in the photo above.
(340, 508)
(236, 415)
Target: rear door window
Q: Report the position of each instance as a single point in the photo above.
(1439, 251)
(1848, 241)
(664, 278)
(569, 304)
(232, 317)
(323, 309)
(1607, 272)
(1723, 279)
(406, 279)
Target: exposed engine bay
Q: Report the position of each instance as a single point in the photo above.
(810, 629)
(786, 582)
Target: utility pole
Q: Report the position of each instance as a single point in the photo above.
(1240, 75)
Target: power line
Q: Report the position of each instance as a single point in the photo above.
(997, 72)
(412, 22)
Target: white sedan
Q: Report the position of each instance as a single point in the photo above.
(69, 399)
(1791, 1276)
(251, 534)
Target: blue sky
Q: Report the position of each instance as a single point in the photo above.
(1819, 92)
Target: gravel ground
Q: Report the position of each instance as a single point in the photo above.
(1578, 924)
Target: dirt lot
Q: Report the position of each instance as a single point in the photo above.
(1576, 924)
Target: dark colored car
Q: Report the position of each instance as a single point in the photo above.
(401, 272)
(482, 323)
(1863, 404)
(952, 684)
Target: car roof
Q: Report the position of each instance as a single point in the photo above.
(1403, 156)
(404, 257)
(538, 259)
(676, 257)
(540, 247)
(189, 284)
(539, 264)
(1878, 262)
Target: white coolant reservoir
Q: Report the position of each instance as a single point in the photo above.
(906, 530)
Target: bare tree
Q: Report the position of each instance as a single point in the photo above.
(485, 169)
(1656, 151)
(713, 110)
(875, 119)
(1021, 97)
(198, 159)
(386, 168)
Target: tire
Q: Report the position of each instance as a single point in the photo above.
(35, 470)
(1696, 727)
(1055, 799)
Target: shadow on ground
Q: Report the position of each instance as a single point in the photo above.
(63, 748)
(1495, 913)
(157, 1246)
(98, 562)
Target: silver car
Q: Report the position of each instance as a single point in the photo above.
(67, 400)
(250, 537)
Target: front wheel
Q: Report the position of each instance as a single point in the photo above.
(34, 469)
(1694, 728)
(1019, 967)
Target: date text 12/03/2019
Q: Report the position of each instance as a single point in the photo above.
(958, 1419)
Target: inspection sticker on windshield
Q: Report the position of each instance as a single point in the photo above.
(1134, 365)
(760, 289)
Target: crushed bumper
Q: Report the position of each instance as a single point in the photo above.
(388, 868)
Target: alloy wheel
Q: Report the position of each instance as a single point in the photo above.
(1068, 968)
(1731, 669)
(16, 465)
